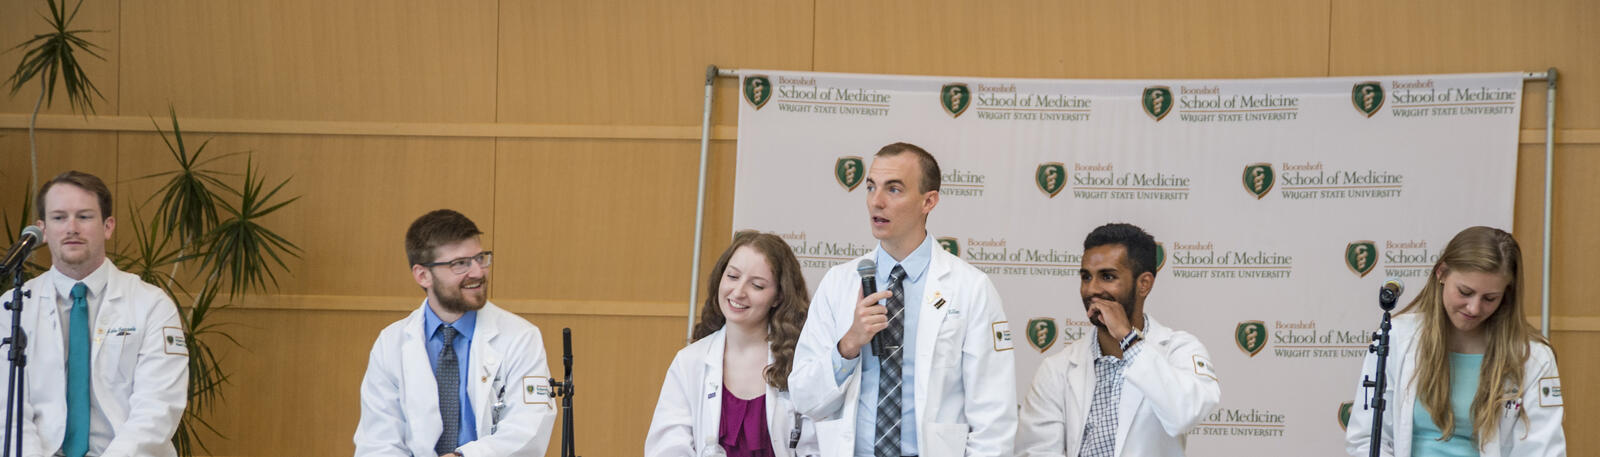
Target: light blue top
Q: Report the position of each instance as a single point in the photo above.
(1464, 369)
(463, 346)
(916, 267)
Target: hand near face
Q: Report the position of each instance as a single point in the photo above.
(1110, 314)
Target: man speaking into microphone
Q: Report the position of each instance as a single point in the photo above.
(942, 380)
(108, 365)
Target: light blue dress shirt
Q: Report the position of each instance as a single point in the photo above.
(463, 347)
(916, 267)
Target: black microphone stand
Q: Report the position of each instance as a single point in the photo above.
(18, 357)
(563, 389)
(1380, 346)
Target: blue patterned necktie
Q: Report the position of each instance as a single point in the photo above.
(76, 443)
(447, 373)
(888, 423)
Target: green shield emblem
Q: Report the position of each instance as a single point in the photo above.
(955, 98)
(1051, 177)
(1161, 256)
(530, 389)
(1157, 101)
(1367, 97)
(950, 245)
(849, 171)
(1258, 179)
(757, 90)
(1344, 414)
(1361, 256)
(1042, 333)
(170, 340)
(1251, 337)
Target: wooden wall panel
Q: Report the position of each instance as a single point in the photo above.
(358, 196)
(1376, 37)
(1580, 380)
(642, 63)
(1075, 39)
(595, 219)
(21, 20)
(59, 151)
(412, 61)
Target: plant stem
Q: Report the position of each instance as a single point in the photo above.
(33, 145)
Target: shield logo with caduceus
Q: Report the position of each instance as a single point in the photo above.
(849, 171)
(1051, 177)
(1258, 179)
(950, 245)
(1344, 414)
(1361, 256)
(1161, 256)
(1042, 333)
(1157, 101)
(757, 90)
(1251, 336)
(1367, 97)
(955, 98)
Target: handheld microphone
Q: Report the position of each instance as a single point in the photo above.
(1390, 293)
(868, 269)
(26, 243)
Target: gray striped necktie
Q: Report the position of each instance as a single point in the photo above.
(448, 375)
(888, 442)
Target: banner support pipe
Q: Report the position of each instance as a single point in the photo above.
(1548, 76)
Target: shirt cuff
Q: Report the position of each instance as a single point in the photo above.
(842, 369)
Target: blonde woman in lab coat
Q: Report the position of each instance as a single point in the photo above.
(1467, 375)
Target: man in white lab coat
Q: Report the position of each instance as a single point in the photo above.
(459, 376)
(943, 328)
(108, 367)
(1133, 387)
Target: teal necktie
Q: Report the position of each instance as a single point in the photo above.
(77, 440)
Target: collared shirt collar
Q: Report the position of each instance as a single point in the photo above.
(915, 264)
(96, 281)
(431, 322)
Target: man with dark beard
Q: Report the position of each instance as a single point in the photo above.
(1082, 397)
(459, 376)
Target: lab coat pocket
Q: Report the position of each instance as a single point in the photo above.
(1512, 425)
(120, 350)
(835, 436)
(946, 440)
(947, 349)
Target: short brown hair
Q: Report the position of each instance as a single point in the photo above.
(437, 228)
(930, 167)
(82, 180)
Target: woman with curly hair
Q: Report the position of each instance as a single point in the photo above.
(1467, 374)
(727, 393)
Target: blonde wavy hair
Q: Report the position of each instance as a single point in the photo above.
(1507, 333)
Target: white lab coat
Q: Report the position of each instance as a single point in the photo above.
(139, 379)
(689, 413)
(1166, 390)
(965, 392)
(400, 400)
(1540, 435)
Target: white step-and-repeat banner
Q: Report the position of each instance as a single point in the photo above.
(1280, 206)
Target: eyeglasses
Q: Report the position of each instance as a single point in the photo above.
(461, 265)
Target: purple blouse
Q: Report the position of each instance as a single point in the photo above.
(744, 426)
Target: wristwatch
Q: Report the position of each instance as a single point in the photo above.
(1134, 336)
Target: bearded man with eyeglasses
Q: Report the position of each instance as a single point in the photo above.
(459, 376)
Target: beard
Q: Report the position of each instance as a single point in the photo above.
(454, 300)
(1126, 302)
